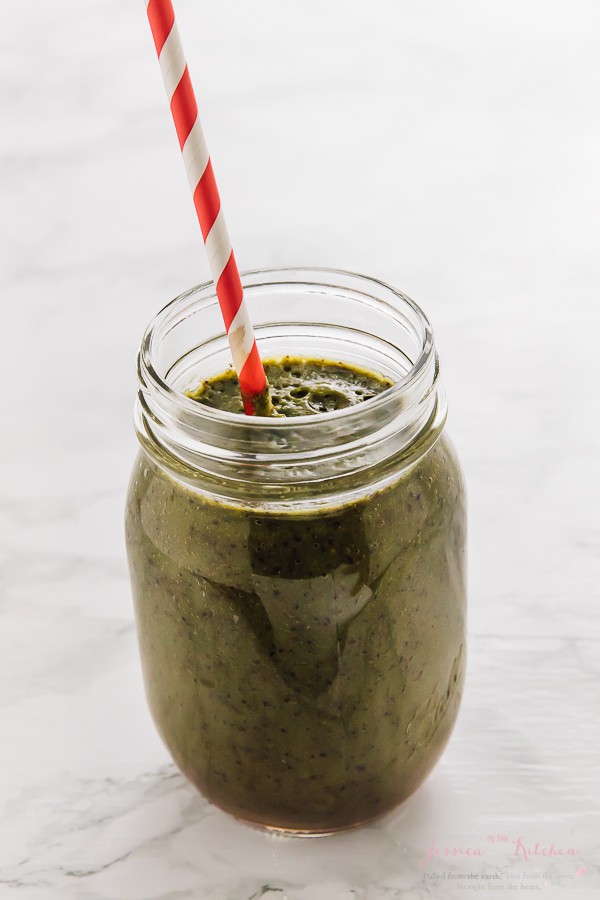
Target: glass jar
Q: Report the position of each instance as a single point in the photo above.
(299, 584)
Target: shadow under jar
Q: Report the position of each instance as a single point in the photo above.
(299, 583)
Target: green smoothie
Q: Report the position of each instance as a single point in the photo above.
(303, 668)
(298, 387)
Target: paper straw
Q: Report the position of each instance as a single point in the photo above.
(251, 374)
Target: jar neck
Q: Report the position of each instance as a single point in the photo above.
(310, 459)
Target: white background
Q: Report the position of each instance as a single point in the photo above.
(451, 149)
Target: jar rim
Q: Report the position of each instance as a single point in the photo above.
(276, 459)
(308, 275)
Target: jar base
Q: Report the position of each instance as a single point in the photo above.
(287, 831)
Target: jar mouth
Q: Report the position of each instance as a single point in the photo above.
(256, 278)
(309, 313)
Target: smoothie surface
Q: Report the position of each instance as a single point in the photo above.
(299, 387)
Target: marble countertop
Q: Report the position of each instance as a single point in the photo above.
(450, 149)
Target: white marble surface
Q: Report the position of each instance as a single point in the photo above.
(450, 148)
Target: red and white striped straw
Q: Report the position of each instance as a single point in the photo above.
(223, 267)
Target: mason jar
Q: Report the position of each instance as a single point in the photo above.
(299, 583)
